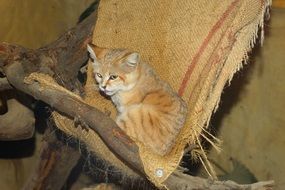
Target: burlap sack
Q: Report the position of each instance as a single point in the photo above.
(196, 46)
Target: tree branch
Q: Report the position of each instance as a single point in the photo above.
(68, 53)
(72, 106)
(180, 181)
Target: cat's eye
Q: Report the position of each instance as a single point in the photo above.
(99, 75)
(113, 77)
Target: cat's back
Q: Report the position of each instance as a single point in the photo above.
(158, 92)
(162, 111)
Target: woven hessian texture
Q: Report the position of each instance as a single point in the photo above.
(196, 46)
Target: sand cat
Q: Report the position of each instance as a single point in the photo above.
(149, 111)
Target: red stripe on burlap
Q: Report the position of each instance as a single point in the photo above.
(203, 47)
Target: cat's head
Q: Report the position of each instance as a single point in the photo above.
(114, 69)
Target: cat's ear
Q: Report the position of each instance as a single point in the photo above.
(133, 59)
(90, 48)
(131, 62)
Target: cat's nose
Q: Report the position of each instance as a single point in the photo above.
(104, 87)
